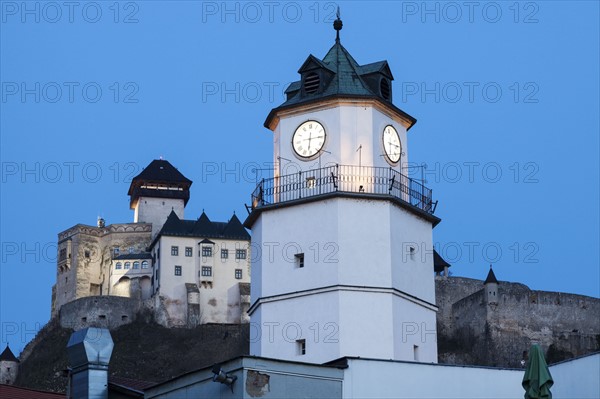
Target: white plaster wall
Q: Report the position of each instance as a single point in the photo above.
(412, 274)
(414, 325)
(276, 326)
(360, 246)
(381, 379)
(309, 228)
(156, 211)
(348, 126)
(579, 378)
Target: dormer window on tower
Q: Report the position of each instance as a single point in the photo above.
(312, 82)
(384, 88)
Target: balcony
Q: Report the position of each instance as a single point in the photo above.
(358, 180)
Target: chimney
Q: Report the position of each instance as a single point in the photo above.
(89, 352)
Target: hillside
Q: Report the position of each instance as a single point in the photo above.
(143, 351)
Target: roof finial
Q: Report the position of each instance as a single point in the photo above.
(337, 25)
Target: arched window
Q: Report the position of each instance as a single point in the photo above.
(144, 264)
(127, 265)
(119, 265)
(136, 265)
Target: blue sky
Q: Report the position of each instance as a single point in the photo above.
(506, 96)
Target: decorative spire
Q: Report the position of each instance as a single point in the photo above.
(337, 25)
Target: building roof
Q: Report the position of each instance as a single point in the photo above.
(8, 356)
(127, 386)
(161, 170)
(439, 263)
(203, 228)
(491, 277)
(160, 173)
(340, 76)
(13, 392)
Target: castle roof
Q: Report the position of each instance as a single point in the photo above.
(8, 356)
(439, 263)
(338, 75)
(491, 277)
(203, 228)
(161, 170)
(160, 179)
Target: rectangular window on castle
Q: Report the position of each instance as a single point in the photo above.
(206, 271)
(62, 254)
(207, 251)
(174, 250)
(188, 251)
(116, 252)
(178, 270)
(240, 254)
(238, 274)
(224, 253)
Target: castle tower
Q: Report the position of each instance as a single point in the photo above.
(491, 287)
(9, 367)
(159, 189)
(342, 261)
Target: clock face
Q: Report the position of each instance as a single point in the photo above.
(391, 144)
(308, 139)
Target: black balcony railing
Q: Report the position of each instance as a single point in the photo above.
(346, 179)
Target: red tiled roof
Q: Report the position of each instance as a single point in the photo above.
(128, 383)
(12, 392)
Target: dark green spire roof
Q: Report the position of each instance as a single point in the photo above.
(338, 75)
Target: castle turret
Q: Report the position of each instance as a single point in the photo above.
(9, 367)
(491, 287)
(159, 189)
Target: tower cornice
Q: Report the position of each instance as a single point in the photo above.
(321, 103)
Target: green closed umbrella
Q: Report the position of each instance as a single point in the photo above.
(537, 380)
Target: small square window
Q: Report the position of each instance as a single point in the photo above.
(188, 251)
(116, 252)
(301, 347)
(240, 254)
(238, 274)
(206, 271)
(131, 250)
(207, 251)
(299, 258)
(174, 251)
(224, 253)
(86, 254)
(178, 270)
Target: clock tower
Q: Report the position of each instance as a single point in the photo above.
(342, 261)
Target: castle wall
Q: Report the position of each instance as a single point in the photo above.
(99, 311)
(8, 372)
(564, 325)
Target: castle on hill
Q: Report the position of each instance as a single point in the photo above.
(185, 272)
